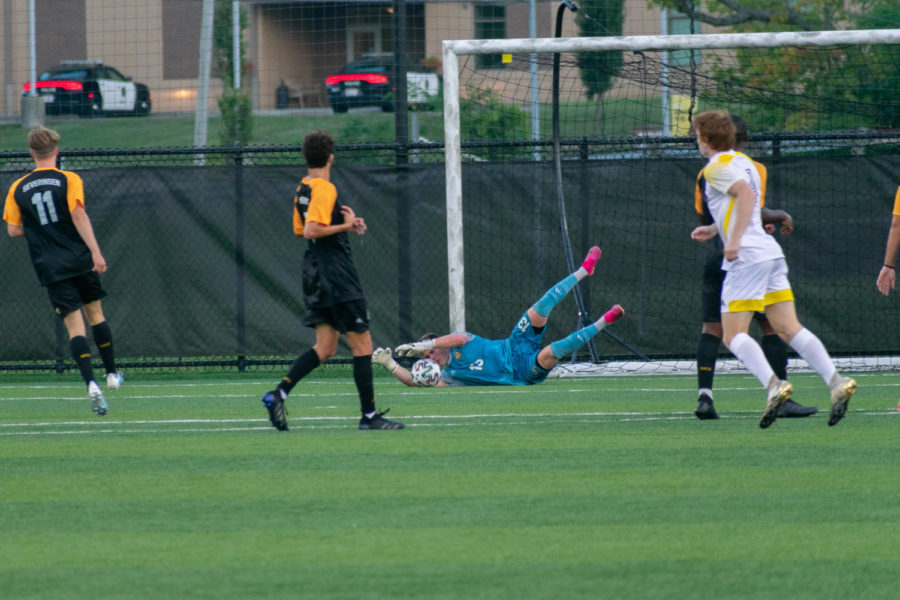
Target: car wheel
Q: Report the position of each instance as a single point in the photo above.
(339, 107)
(142, 107)
(142, 104)
(90, 107)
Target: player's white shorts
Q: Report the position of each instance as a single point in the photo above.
(756, 287)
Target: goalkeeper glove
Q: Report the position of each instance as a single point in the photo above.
(382, 356)
(416, 349)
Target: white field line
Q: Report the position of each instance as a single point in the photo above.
(390, 393)
(102, 427)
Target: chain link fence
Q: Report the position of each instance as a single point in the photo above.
(204, 269)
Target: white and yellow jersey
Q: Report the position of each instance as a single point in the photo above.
(721, 172)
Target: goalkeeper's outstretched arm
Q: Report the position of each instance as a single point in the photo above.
(383, 357)
(445, 342)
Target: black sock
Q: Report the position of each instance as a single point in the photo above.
(302, 367)
(776, 353)
(707, 351)
(103, 339)
(362, 377)
(81, 354)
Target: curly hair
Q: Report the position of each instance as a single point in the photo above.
(317, 147)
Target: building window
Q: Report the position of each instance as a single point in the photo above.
(680, 24)
(490, 24)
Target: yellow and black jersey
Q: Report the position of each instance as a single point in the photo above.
(897, 203)
(329, 275)
(42, 202)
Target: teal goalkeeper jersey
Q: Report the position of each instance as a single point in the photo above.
(481, 362)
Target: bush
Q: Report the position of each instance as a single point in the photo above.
(237, 118)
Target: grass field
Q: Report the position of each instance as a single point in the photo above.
(359, 126)
(576, 488)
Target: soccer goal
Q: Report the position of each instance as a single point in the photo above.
(823, 110)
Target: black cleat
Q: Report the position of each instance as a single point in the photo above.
(275, 405)
(379, 422)
(791, 410)
(705, 409)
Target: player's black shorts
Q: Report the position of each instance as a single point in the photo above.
(344, 316)
(68, 295)
(711, 294)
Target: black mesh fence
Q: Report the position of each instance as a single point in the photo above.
(204, 268)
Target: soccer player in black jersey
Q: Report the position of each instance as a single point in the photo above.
(46, 207)
(331, 289)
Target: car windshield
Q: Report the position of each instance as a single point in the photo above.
(66, 74)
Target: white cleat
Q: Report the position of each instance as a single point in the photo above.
(98, 402)
(778, 393)
(114, 380)
(840, 397)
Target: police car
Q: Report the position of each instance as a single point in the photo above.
(90, 88)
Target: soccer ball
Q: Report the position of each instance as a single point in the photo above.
(426, 373)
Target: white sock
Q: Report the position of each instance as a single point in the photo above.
(706, 391)
(580, 273)
(811, 349)
(749, 352)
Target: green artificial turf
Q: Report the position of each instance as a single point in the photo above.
(602, 487)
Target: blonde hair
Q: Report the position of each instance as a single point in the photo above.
(43, 141)
(716, 128)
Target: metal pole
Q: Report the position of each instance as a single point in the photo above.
(583, 317)
(664, 76)
(533, 68)
(202, 113)
(32, 43)
(453, 174)
(239, 262)
(401, 157)
(401, 116)
(236, 41)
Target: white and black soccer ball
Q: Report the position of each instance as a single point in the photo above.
(426, 373)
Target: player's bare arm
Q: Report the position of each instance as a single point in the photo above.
(451, 340)
(357, 224)
(887, 277)
(313, 230)
(704, 232)
(86, 231)
(15, 230)
(770, 218)
(424, 347)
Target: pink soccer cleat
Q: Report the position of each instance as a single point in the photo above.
(590, 261)
(614, 314)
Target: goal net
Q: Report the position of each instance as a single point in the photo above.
(823, 112)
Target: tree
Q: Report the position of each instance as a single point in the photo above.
(847, 82)
(597, 18)
(779, 15)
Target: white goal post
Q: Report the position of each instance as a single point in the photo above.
(453, 49)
